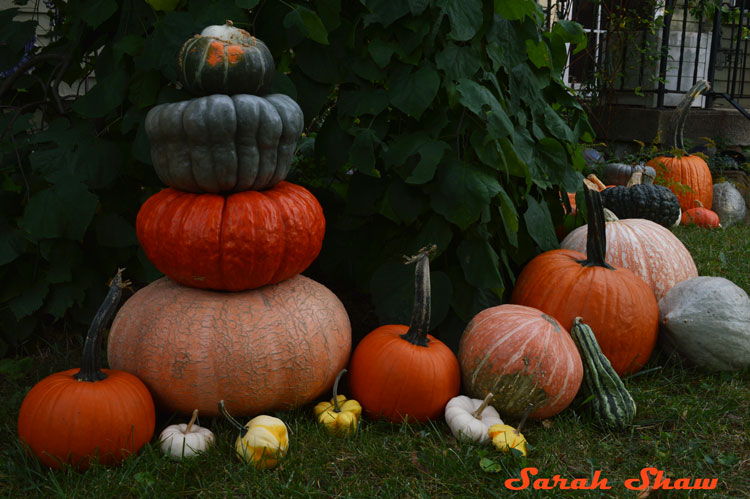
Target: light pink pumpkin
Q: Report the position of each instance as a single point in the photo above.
(646, 248)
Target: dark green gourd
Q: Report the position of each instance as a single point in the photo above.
(636, 200)
(611, 403)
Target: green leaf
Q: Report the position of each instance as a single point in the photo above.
(368, 101)
(509, 215)
(387, 11)
(113, 230)
(246, 4)
(401, 204)
(556, 125)
(62, 210)
(63, 256)
(12, 243)
(362, 152)
(128, 44)
(62, 298)
(413, 92)
(464, 191)
(308, 23)
(480, 264)
(490, 465)
(95, 12)
(539, 54)
(515, 9)
(30, 300)
(431, 153)
(165, 5)
(484, 104)
(458, 61)
(418, 6)
(381, 51)
(104, 97)
(392, 288)
(539, 224)
(435, 231)
(465, 17)
(144, 88)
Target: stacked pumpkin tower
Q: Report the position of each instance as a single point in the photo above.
(233, 319)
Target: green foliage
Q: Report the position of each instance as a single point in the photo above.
(428, 121)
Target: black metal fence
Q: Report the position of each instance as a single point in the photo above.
(652, 49)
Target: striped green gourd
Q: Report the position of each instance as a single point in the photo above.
(611, 402)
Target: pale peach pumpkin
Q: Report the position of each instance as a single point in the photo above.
(651, 251)
(275, 347)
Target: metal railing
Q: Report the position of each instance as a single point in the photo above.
(661, 49)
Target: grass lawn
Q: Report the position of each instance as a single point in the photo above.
(690, 424)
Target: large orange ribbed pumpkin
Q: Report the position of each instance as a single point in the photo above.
(651, 251)
(688, 177)
(232, 242)
(274, 347)
(618, 305)
(399, 372)
(522, 356)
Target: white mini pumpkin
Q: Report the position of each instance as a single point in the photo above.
(471, 419)
(181, 441)
(707, 321)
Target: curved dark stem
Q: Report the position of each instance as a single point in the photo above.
(91, 364)
(223, 410)
(596, 238)
(420, 315)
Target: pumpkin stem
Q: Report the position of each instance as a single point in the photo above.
(191, 422)
(478, 413)
(91, 362)
(524, 417)
(336, 407)
(420, 315)
(223, 410)
(596, 238)
(679, 116)
(595, 180)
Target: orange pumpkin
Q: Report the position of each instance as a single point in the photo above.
(651, 251)
(399, 372)
(74, 416)
(618, 305)
(524, 357)
(688, 177)
(275, 347)
(700, 216)
(235, 242)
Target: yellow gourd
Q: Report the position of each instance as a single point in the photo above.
(263, 441)
(505, 437)
(339, 416)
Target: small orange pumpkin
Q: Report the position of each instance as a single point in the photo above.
(700, 216)
(400, 372)
(74, 416)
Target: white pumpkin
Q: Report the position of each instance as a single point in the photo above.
(180, 441)
(729, 204)
(707, 321)
(646, 248)
(471, 419)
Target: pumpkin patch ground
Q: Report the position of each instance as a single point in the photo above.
(689, 423)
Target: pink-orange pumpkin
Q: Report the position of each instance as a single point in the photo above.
(275, 347)
(651, 251)
(524, 357)
(232, 242)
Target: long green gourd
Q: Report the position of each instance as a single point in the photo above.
(611, 402)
